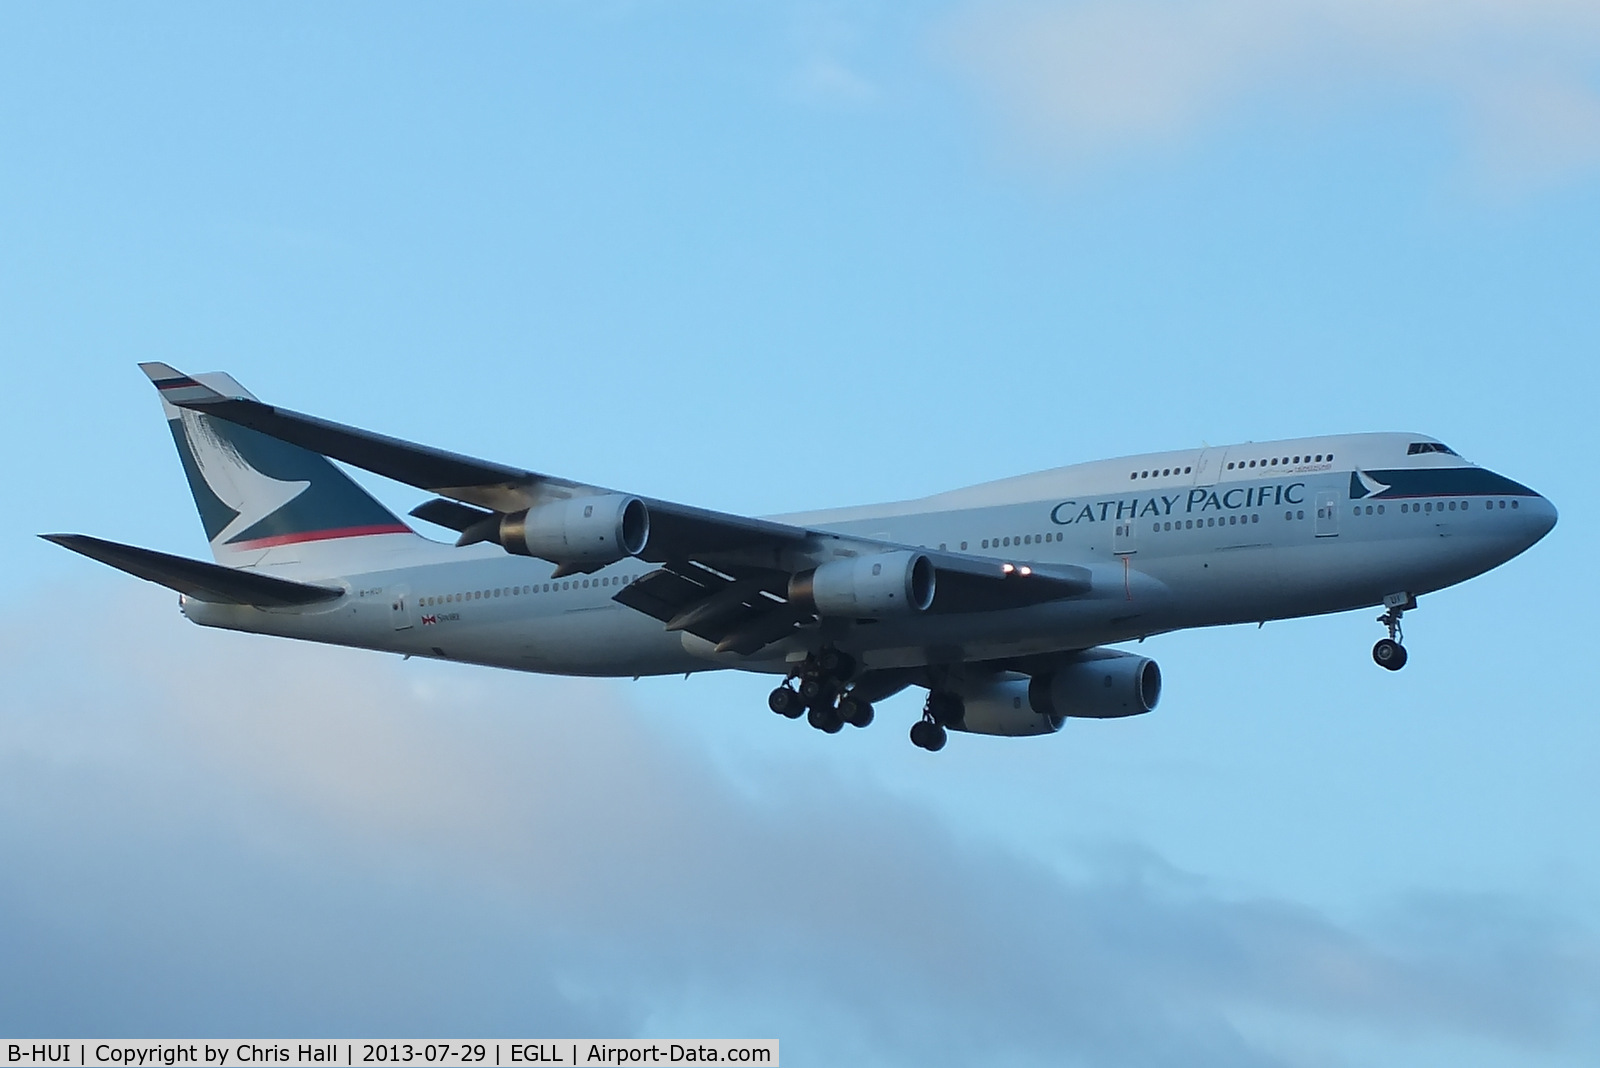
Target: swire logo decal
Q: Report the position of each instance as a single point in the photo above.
(428, 621)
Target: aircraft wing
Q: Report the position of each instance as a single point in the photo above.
(723, 577)
(675, 529)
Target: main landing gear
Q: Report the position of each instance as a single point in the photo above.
(819, 689)
(941, 711)
(821, 694)
(1389, 653)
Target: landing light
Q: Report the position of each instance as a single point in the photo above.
(1027, 570)
(1007, 568)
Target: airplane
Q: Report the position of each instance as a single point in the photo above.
(1001, 600)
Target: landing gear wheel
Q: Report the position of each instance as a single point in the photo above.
(929, 736)
(854, 711)
(1389, 654)
(825, 719)
(813, 688)
(785, 702)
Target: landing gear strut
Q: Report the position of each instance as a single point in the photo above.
(1389, 653)
(820, 693)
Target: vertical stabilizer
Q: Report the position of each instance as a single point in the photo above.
(264, 501)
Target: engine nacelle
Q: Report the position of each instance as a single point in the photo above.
(1000, 707)
(883, 584)
(583, 530)
(1105, 684)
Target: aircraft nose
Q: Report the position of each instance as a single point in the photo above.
(1535, 517)
(1543, 516)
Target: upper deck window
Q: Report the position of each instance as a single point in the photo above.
(1429, 446)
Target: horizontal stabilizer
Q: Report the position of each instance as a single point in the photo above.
(207, 582)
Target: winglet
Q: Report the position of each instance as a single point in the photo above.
(178, 388)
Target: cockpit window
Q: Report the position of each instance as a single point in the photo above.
(1430, 446)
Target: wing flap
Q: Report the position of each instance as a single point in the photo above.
(452, 514)
(736, 613)
(197, 578)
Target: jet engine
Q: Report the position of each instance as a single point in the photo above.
(1105, 684)
(867, 587)
(581, 531)
(999, 706)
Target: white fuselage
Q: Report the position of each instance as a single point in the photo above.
(1191, 538)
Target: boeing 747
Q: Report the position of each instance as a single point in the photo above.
(1001, 600)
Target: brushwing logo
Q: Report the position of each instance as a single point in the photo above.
(246, 491)
(1363, 485)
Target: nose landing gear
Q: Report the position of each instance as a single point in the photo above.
(1389, 653)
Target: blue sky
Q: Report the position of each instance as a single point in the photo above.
(766, 257)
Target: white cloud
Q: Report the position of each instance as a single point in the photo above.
(432, 849)
(1091, 79)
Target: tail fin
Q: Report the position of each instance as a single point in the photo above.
(258, 495)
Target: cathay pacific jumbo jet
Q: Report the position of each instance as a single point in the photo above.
(1000, 600)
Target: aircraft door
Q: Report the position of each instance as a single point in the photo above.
(1327, 523)
(1122, 538)
(1209, 466)
(400, 608)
